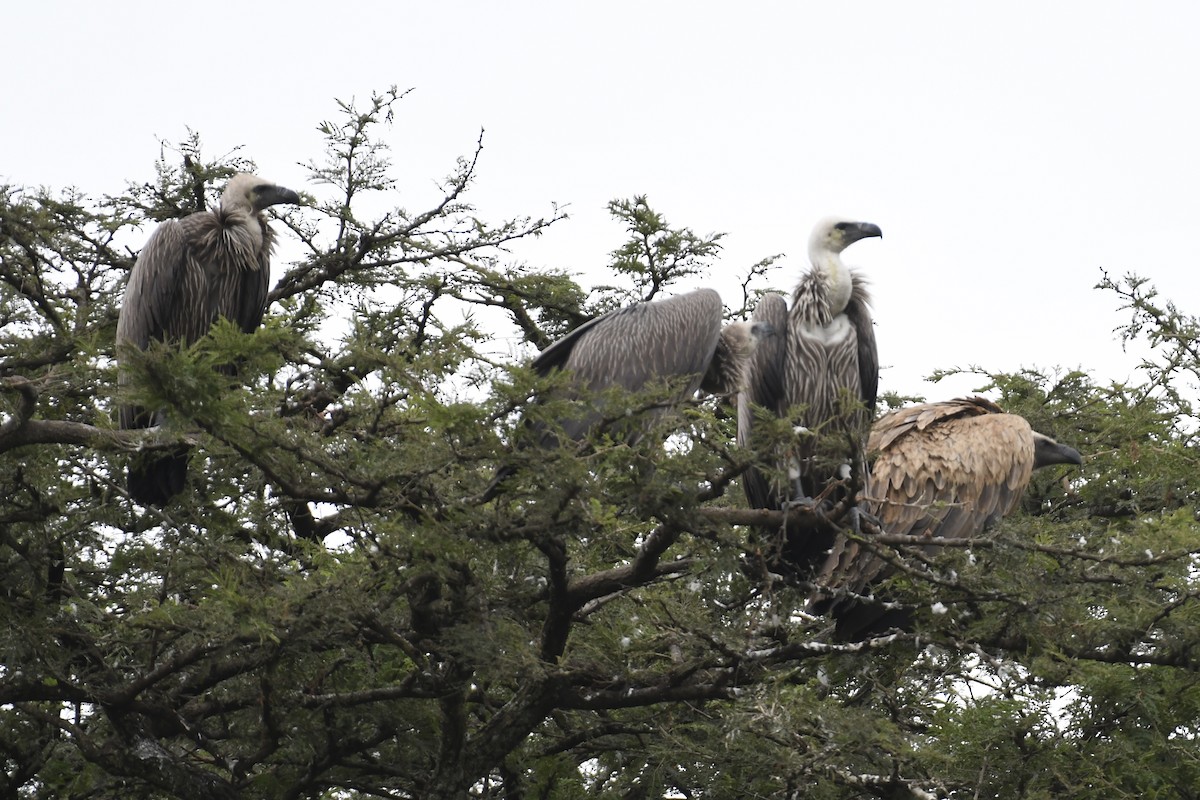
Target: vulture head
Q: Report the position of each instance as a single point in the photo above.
(1046, 451)
(833, 235)
(743, 337)
(729, 370)
(252, 192)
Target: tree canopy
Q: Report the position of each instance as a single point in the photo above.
(331, 610)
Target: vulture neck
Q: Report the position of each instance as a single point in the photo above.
(243, 232)
(825, 291)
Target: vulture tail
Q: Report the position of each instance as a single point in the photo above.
(858, 620)
(154, 480)
(505, 472)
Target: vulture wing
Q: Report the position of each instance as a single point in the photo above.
(948, 470)
(859, 314)
(160, 300)
(152, 305)
(667, 340)
(766, 390)
(166, 299)
(632, 346)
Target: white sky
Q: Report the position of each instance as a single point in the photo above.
(1008, 152)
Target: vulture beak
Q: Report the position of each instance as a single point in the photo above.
(272, 195)
(1046, 451)
(861, 230)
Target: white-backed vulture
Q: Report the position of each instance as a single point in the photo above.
(679, 341)
(191, 272)
(948, 469)
(826, 364)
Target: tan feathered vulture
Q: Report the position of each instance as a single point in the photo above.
(826, 363)
(193, 271)
(949, 469)
(679, 341)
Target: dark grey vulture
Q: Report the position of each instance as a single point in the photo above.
(948, 469)
(191, 272)
(678, 343)
(826, 364)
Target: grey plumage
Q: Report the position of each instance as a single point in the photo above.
(729, 368)
(947, 469)
(825, 363)
(191, 272)
(678, 343)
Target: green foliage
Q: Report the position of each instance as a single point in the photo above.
(331, 610)
(655, 255)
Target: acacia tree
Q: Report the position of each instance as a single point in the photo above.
(332, 609)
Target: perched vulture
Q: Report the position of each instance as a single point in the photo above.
(947, 469)
(826, 364)
(679, 342)
(191, 272)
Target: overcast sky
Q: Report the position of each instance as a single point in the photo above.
(1008, 152)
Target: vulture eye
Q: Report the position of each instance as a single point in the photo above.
(841, 226)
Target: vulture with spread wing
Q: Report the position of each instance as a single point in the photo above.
(679, 342)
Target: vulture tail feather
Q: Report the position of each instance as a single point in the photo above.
(154, 480)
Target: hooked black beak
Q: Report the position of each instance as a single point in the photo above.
(863, 230)
(851, 232)
(271, 195)
(1046, 451)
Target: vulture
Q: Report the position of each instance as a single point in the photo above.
(948, 469)
(191, 272)
(679, 342)
(825, 364)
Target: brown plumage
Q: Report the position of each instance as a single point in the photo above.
(940, 470)
(826, 364)
(678, 343)
(191, 272)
